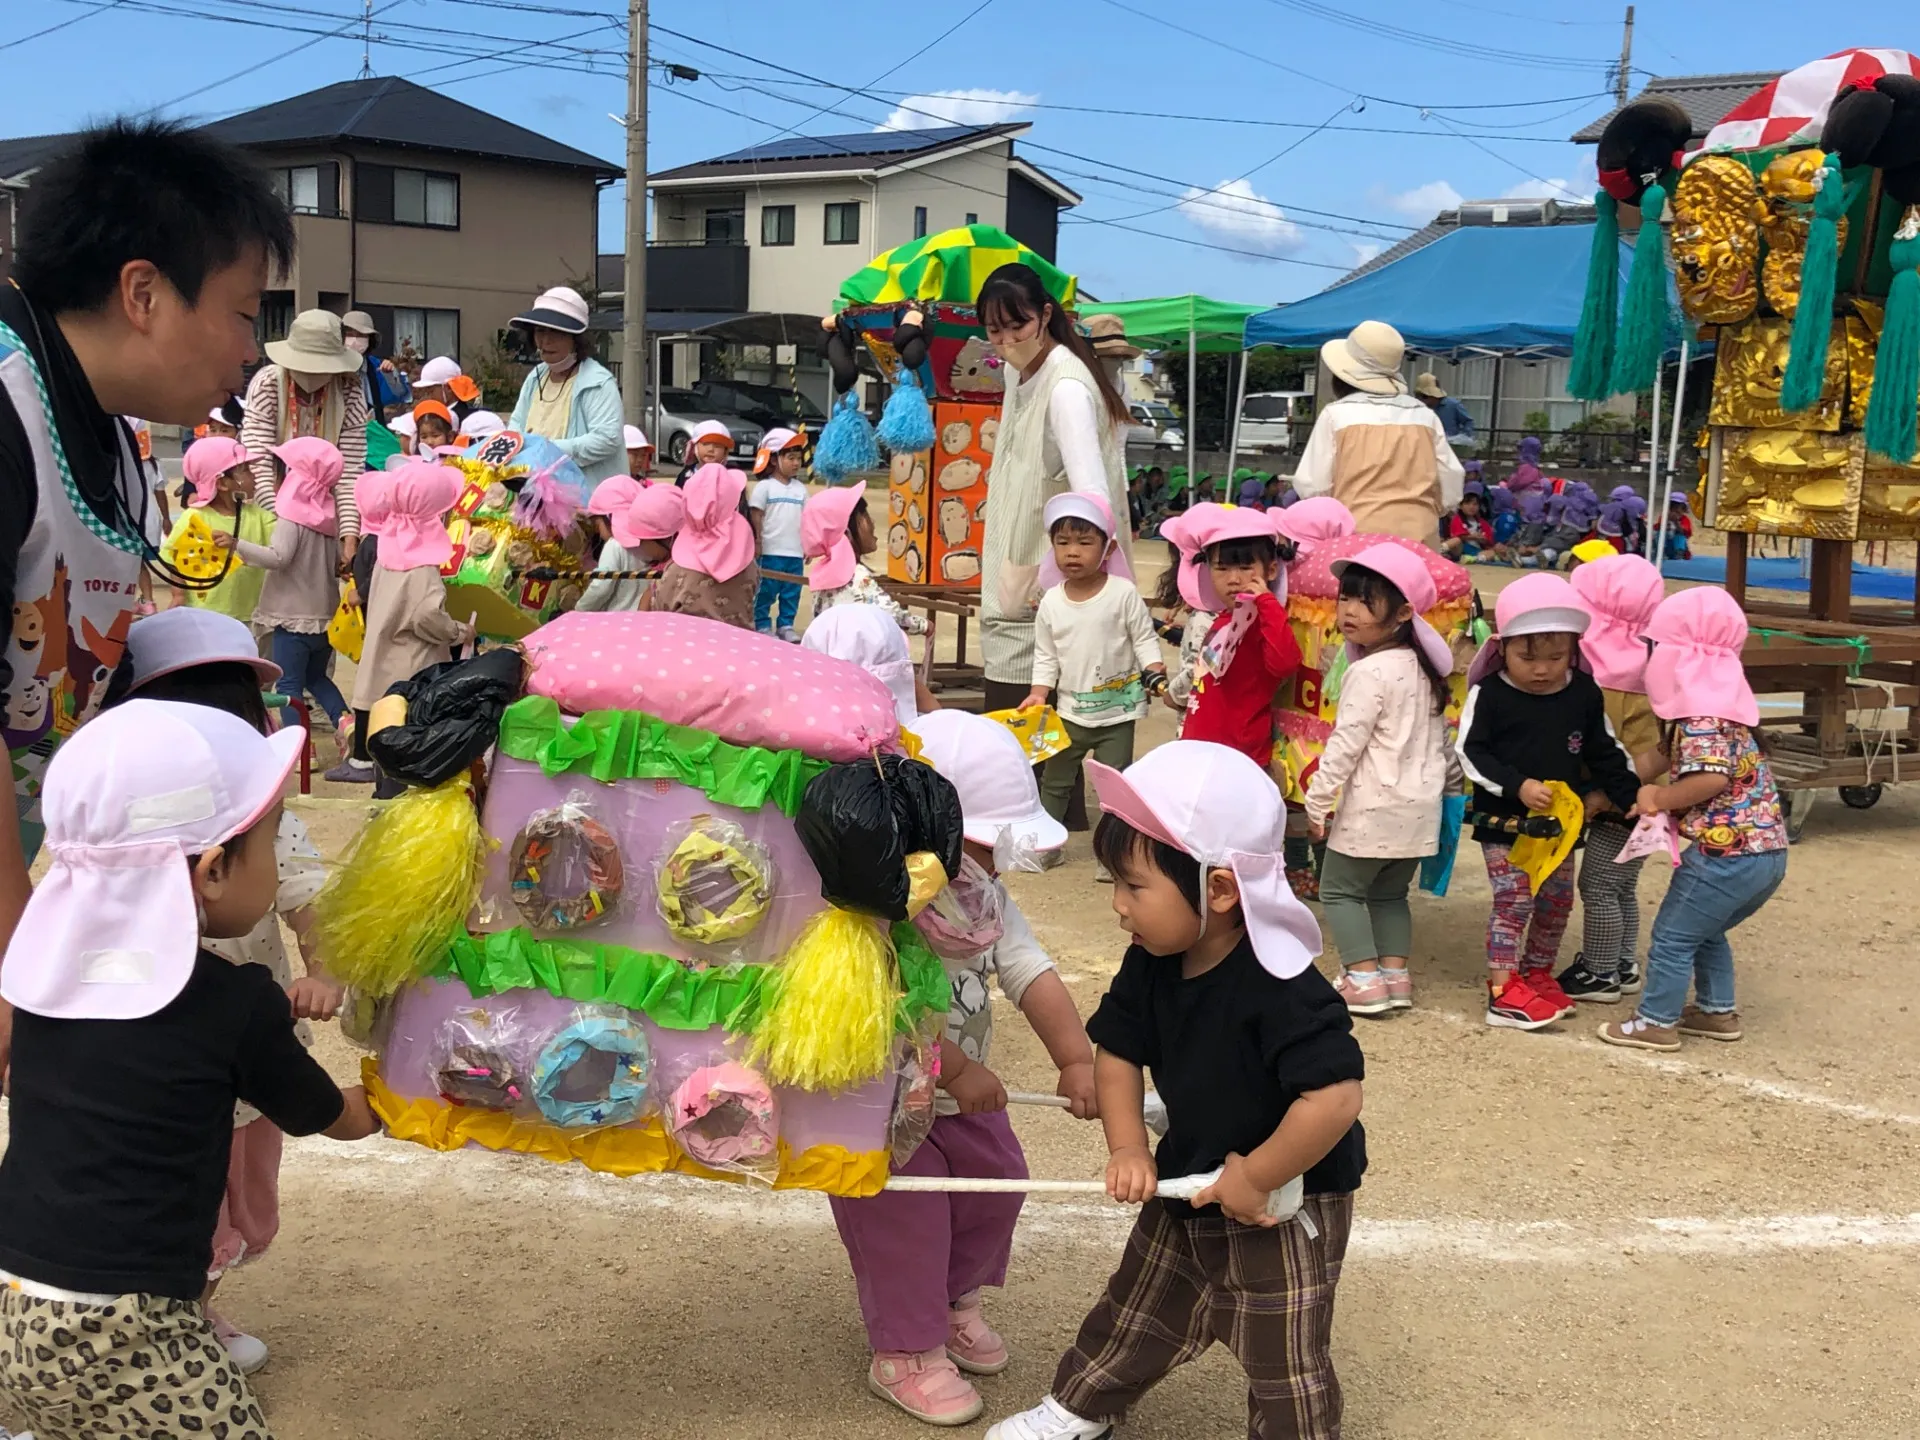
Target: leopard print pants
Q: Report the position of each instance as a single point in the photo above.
(146, 1367)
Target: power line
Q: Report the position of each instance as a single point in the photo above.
(270, 60)
(97, 9)
(1225, 187)
(1202, 244)
(1471, 50)
(1474, 141)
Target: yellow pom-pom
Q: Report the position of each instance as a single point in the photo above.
(830, 1022)
(403, 889)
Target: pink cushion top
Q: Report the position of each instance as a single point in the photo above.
(1311, 575)
(747, 688)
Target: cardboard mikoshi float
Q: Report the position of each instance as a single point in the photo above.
(629, 958)
(935, 524)
(1310, 701)
(515, 546)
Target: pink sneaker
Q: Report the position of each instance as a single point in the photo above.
(1365, 992)
(972, 1344)
(926, 1385)
(1399, 988)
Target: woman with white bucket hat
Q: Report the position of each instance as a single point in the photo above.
(1376, 449)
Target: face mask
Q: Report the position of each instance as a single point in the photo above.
(312, 384)
(1021, 353)
(356, 343)
(563, 364)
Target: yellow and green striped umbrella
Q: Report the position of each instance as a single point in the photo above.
(950, 266)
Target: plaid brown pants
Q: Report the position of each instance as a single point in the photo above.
(1267, 1295)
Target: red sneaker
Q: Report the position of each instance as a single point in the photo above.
(1547, 988)
(1520, 1007)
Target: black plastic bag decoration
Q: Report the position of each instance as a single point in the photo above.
(860, 820)
(452, 716)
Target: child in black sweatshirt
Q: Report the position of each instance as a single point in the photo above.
(1531, 717)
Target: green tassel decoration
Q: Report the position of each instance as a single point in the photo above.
(1643, 323)
(1813, 320)
(1896, 363)
(1593, 340)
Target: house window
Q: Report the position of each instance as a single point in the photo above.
(919, 221)
(843, 224)
(275, 317)
(973, 218)
(430, 332)
(308, 189)
(727, 226)
(384, 195)
(776, 224)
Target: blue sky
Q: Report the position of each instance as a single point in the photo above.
(1223, 210)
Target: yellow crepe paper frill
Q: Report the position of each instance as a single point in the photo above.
(1538, 858)
(829, 1023)
(630, 1150)
(403, 889)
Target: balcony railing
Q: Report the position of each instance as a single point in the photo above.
(697, 275)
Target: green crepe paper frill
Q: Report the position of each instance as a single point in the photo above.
(660, 987)
(614, 745)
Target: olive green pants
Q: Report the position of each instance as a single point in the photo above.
(1109, 744)
(1365, 904)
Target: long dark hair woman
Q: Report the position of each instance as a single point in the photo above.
(1061, 428)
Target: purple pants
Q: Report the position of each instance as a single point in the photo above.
(913, 1255)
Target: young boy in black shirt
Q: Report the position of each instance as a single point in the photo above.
(131, 1046)
(1253, 1052)
(1532, 716)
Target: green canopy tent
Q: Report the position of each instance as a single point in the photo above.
(1194, 324)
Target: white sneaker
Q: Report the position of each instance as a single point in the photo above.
(1049, 1420)
(247, 1352)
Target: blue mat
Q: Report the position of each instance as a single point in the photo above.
(1870, 582)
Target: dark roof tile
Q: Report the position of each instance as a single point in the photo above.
(1705, 98)
(812, 154)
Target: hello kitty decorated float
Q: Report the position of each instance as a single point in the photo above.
(667, 927)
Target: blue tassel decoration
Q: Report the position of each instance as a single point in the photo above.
(906, 425)
(846, 445)
(1813, 319)
(1593, 340)
(1643, 321)
(1891, 409)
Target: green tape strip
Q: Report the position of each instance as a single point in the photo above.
(1862, 650)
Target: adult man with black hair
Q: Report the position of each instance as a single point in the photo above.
(136, 282)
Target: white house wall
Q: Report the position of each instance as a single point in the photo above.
(951, 188)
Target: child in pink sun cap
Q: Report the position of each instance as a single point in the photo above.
(711, 572)
(1621, 591)
(1722, 790)
(1533, 714)
(218, 485)
(837, 532)
(610, 498)
(1253, 1053)
(1383, 772)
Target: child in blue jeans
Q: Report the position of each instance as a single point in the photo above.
(1722, 791)
(774, 503)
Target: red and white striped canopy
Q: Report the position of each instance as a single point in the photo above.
(1792, 109)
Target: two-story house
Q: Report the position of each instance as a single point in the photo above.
(777, 227)
(438, 219)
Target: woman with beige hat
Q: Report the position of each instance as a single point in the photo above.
(1376, 449)
(310, 386)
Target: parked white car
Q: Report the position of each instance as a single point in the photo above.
(682, 410)
(1267, 421)
(1154, 424)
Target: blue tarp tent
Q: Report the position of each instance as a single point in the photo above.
(1492, 289)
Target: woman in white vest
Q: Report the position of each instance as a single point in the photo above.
(1061, 428)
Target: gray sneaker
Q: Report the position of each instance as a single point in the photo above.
(353, 772)
(788, 634)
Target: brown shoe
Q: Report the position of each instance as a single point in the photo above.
(1638, 1034)
(1709, 1024)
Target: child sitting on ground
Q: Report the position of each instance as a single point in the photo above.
(1571, 517)
(837, 531)
(1679, 541)
(1469, 531)
(132, 1044)
(1231, 562)
(711, 572)
(775, 503)
(920, 1261)
(1383, 772)
(218, 484)
(1722, 797)
(210, 659)
(1621, 591)
(1093, 642)
(1254, 1056)
(1533, 715)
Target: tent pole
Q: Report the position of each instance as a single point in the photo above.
(1673, 455)
(1653, 445)
(1239, 407)
(1193, 427)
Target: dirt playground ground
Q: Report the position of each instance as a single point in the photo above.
(1555, 1239)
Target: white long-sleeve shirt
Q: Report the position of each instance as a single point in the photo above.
(1094, 652)
(1386, 458)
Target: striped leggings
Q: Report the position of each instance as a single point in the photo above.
(1609, 899)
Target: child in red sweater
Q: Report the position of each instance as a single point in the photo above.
(1233, 563)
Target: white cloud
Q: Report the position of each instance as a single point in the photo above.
(1579, 186)
(1236, 212)
(957, 107)
(1364, 250)
(1423, 202)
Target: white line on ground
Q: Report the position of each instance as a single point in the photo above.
(495, 1179)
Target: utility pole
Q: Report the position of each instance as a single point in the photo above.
(1626, 62)
(633, 349)
(366, 39)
